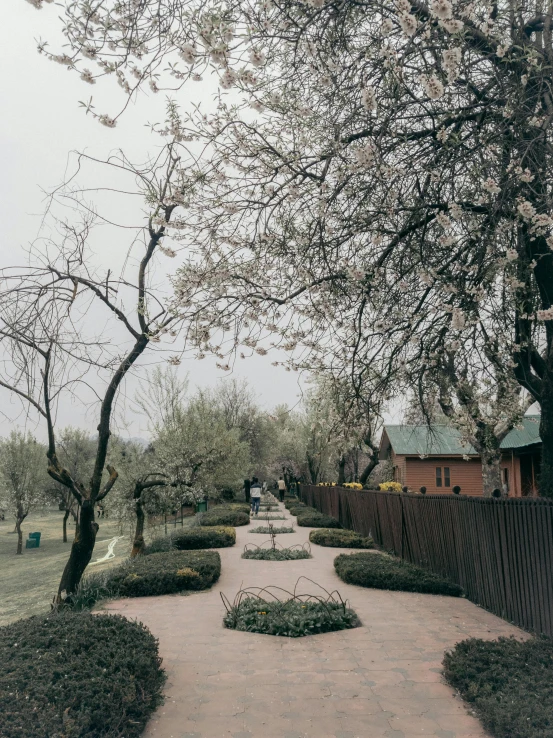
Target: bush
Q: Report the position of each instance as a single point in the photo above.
(339, 538)
(508, 683)
(390, 487)
(241, 506)
(189, 539)
(148, 576)
(271, 516)
(278, 554)
(292, 618)
(316, 520)
(294, 502)
(67, 675)
(267, 530)
(224, 516)
(384, 572)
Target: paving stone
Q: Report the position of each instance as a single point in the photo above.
(382, 680)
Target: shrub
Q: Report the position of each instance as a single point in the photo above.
(384, 572)
(267, 530)
(339, 538)
(72, 674)
(224, 516)
(508, 683)
(353, 485)
(147, 576)
(294, 502)
(390, 487)
(292, 618)
(194, 538)
(272, 516)
(301, 510)
(277, 554)
(317, 520)
(242, 506)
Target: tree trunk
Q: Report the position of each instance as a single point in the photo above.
(491, 472)
(368, 469)
(18, 522)
(138, 542)
(81, 552)
(545, 482)
(65, 517)
(341, 471)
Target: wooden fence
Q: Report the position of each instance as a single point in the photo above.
(499, 551)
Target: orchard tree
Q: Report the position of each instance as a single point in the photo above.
(385, 181)
(23, 478)
(49, 328)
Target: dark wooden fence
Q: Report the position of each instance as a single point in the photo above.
(499, 551)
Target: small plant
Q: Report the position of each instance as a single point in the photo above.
(507, 682)
(194, 538)
(265, 529)
(277, 554)
(274, 611)
(75, 674)
(390, 487)
(223, 515)
(316, 520)
(339, 538)
(353, 485)
(384, 572)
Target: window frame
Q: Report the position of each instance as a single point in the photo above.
(447, 476)
(439, 478)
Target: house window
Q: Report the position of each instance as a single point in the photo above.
(447, 478)
(438, 476)
(443, 477)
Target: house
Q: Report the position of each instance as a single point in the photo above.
(436, 457)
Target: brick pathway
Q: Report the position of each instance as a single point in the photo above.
(382, 679)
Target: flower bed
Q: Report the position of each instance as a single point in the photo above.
(265, 529)
(276, 554)
(339, 538)
(384, 572)
(72, 674)
(194, 538)
(147, 576)
(292, 618)
(316, 520)
(507, 683)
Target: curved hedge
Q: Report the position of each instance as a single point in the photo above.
(224, 516)
(309, 519)
(241, 506)
(67, 675)
(278, 554)
(189, 539)
(294, 502)
(384, 572)
(507, 682)
(339, 538)
(147, 576)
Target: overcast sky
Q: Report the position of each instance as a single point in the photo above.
(41, 124)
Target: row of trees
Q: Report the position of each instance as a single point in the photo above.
(372, 197)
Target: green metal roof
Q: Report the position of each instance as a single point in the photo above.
(443, 440)
(417, 440)
(526, 434)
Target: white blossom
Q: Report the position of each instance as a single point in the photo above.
(442, 9)
(433, 87)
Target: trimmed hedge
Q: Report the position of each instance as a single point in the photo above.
(265, 529)
(224, 516)
(189, 539)
(316, 520)
(384, 572)
(339, 538)
(147, 576)
(509, 684)
(292, 618)
(241, 506)
(279, 554)
(71, 675)
(294, 502)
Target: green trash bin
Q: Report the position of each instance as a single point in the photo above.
(201, 506)
(36, 537)
(31, 543)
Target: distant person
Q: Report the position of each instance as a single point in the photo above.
(281, 488)
(255, 495)
(247, 485)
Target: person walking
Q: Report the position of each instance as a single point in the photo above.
(281, 488)
(255, 495)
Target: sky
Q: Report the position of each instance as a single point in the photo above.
(41, 126)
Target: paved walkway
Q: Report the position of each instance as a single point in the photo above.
(382, 679)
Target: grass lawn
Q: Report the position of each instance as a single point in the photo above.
(29, 582)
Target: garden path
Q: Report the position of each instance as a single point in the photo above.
(382, 679)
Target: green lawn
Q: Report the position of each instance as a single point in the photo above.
(29, 582)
